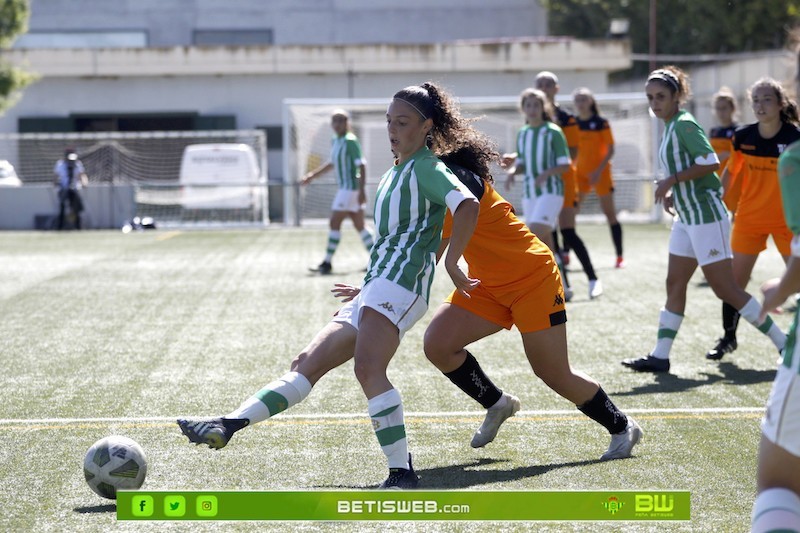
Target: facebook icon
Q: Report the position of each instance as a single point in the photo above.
(142, 506)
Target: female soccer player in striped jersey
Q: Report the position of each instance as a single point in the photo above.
(542, 155)
(721, 137)
(547, 82)
(351, 176)
(410, 208)
(754, 166)
(519, 286)
(777, 507)
(701, 228)
(593, 167)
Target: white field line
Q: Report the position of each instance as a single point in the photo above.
(443, 414)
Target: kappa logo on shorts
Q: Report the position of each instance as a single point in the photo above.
(387, 306)
(559, 300)
(713, 252)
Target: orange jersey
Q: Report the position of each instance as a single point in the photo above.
(502, 251)
(721, 139)
(754, 162)
(569, 126)
(594, 140)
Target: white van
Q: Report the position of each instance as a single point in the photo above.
(220, 176)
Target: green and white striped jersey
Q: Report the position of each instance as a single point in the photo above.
(410, 205)
(698, 201)
(347, 158)
(789, 177)
(538, 149)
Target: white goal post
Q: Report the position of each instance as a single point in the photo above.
(179, 178)
(307, 142)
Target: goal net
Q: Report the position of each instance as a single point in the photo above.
(307, 143)
(180, 178)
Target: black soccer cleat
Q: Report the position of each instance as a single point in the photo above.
(401, 479)
(324, 268)
(215, 432)
(647, 364)
(724, 345)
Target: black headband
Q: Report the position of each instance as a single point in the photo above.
(666, 76)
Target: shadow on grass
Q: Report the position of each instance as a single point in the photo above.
(729, 373)
(469, 474)
(108, 508)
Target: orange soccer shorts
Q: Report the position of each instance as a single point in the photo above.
(603, 187)
(532, 304)
(752, 241)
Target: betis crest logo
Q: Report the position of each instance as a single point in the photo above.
(613, 505)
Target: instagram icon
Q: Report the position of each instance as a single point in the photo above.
(206, 505)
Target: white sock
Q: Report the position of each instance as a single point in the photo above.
(668, 325)
(333, 242)
(750, 312)
(367, 239)
(277, 396)
(776, 510)
(386, 411)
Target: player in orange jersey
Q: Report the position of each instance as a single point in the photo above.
(593, 166)
(754, 163)
(520, 285)
(721, 137)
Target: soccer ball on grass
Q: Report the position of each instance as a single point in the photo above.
(114, 463)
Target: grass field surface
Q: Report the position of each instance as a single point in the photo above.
(105, 333)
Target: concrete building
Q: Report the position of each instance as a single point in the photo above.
(203, 64)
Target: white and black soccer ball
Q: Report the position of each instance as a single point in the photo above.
(114, 463)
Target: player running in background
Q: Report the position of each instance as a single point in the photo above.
(410, 207)
(351, 176)
(721, 137)
(777, 506)
(542, 156)
(754, 166)
(701, 228)
(593, 166)
(547, 82)
(519, 286)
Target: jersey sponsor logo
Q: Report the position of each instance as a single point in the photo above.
(388, 306)
(747, 147)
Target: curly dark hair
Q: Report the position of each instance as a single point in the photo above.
(452, 137)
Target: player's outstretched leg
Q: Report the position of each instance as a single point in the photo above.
(277, 396)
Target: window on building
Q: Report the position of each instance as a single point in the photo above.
(83, 39)
(232, 37)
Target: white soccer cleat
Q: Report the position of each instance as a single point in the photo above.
(595, 288)
(495, 416)
(622, 443)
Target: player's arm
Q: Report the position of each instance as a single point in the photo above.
(309, 177)
(594, 177)
(465, 218)
(362, 184)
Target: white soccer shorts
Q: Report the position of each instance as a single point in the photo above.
(401, 306)
(781, 422)
(543, 209)
(346, 200)
(708, 243)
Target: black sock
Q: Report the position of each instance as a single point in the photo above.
(616, 236)
(603, 411)
(730, 320)
(572, 240)
(470, 378)
(556, 247)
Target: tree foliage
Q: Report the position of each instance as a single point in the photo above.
(14, 16)
(682, 26)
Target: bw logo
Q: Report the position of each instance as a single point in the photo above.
(559, 300)
(387, 306)
(713, 252)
